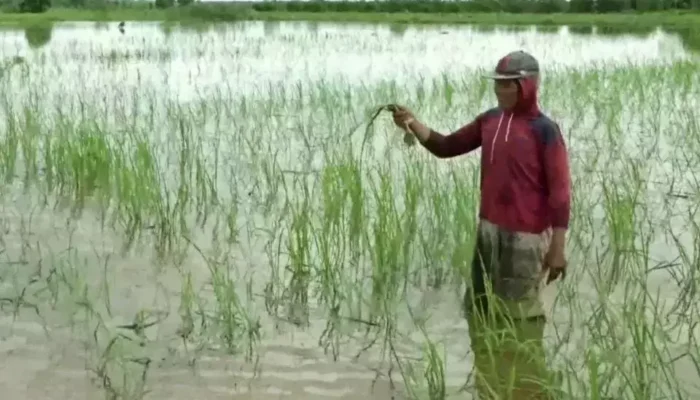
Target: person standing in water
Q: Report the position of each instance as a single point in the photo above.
(521, 235)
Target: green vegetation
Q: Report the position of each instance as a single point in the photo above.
(612, 16)
(685, 24)
(611, 13)
(278, 208)
(477, 6)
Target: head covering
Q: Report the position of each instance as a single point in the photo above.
(525, 69)
(516, 65)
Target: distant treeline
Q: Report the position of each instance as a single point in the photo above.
(477, 6)
(382, 6)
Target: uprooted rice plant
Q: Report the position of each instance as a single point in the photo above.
(153, 231)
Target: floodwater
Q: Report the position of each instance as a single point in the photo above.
(55, 267)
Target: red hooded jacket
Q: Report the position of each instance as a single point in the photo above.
(525, 180)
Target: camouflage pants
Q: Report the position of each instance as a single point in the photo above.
(506, 316)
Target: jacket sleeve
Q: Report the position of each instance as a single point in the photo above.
(461, 141)
(556, 166)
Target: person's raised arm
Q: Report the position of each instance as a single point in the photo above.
(461, 141)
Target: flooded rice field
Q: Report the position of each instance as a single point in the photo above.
(200, 213)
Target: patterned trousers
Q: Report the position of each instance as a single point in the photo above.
(506, 316)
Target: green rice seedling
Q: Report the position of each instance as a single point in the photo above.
(386, 265)
(620, 202)
(430, 384)
(408, 138)
(435, 372)
(121, 376)
(187, 299)
(235, 327)
(300, 267)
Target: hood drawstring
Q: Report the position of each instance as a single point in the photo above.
(498, 129)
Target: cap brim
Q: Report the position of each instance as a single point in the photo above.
(500, 76)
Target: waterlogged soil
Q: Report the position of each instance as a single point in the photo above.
(51, 353)
(66, 285)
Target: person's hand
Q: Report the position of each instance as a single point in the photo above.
(555, 264)
(403, 117)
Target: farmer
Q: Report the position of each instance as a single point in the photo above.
(521, 234)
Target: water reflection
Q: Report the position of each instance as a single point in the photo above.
(690, 37)
(38, 36)
(101, 25)
(192, 59)
(271, 28)
(398, 29)
(313, 27)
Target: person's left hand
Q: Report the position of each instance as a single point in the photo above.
(555, 264)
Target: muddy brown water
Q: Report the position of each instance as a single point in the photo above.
(52, 353)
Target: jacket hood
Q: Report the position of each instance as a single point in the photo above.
(526, 106)
(527, 96)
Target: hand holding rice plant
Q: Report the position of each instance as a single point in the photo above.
(403, 118)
